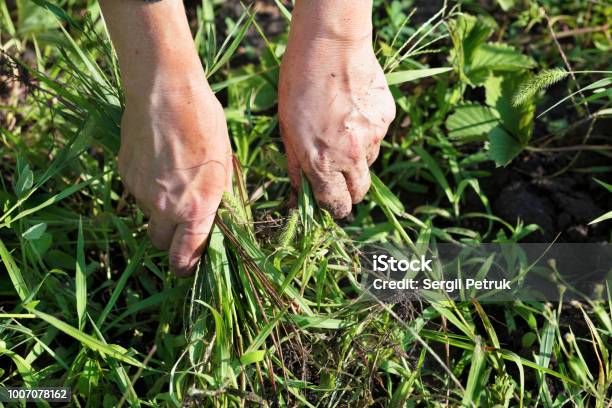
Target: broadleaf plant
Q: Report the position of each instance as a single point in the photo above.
(500, 69)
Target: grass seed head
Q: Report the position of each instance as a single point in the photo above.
(288, 235)
(232, 203)
(535, 84)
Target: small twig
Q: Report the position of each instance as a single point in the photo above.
(138, 373)
(564, 57)
(547, 139)
(569, 148)
(575, 158)
(580, 31)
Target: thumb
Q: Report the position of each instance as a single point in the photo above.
(188, 245)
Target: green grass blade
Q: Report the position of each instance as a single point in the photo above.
(475, 377)
(129, 270)
(81, 278)
(435, 171)
(400, 77)
(604, 217)
(113, 351)
(14, 273)
(284, 12)
(53, 200)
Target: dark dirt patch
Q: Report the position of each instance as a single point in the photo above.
(564, 204)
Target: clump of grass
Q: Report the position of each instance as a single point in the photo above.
(535, 84)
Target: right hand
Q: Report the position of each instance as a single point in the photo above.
(175, 158)
(335, 108)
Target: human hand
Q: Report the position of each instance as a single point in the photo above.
(335, 108)
(175, 155)
(175, 158)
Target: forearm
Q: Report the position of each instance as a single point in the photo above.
(336, 20)
(154, 45)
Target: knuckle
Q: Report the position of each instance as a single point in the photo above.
(354, 152)
(159, 202)
(319, 162)
(378, 138)
(179, 259)
(373, 155)
(389, 110)
(353, 149)
(197, 209)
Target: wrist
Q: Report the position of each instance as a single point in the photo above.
(170, 73)
(154, 45)
(343, 21)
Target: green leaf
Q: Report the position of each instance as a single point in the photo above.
(117, 371)
(471, 120)
(506, 5)
(58, 11)
(227, 49)
(516, 122)
(500, 57)
(399, 77)
(469, 33)
(318, 322)
(168, 295)
(33, 19)
(25, 181)
(547, 341)
(52, 200)
(35, 232)
(496, 58)
(502, 146)
(252, 357)
(528, 339)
